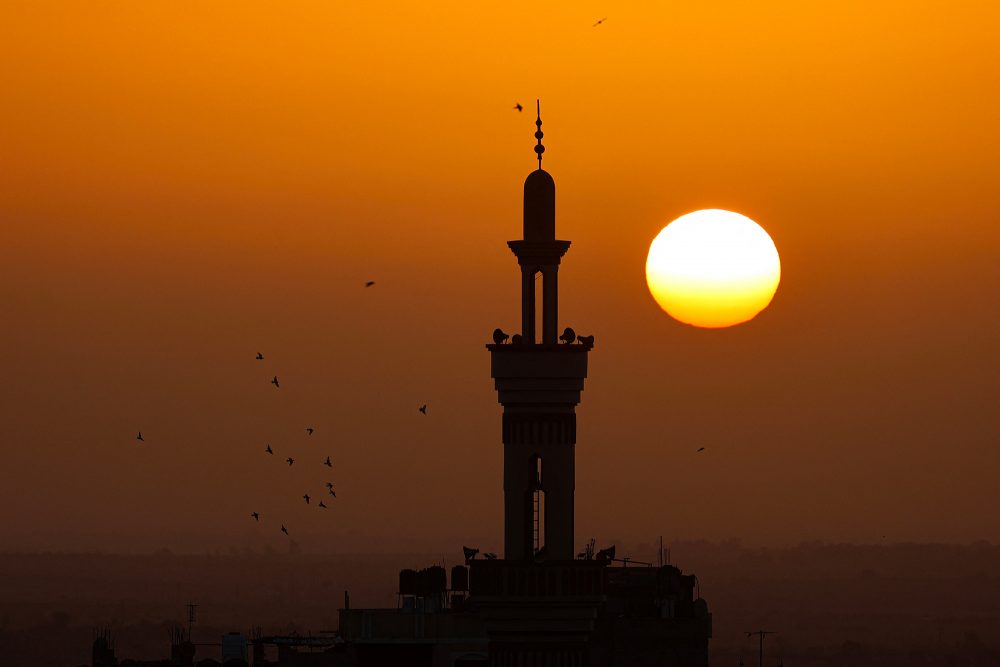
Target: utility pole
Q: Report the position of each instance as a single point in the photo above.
(761, 634)
(190, 607)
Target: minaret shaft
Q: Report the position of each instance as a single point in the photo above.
(539, 384)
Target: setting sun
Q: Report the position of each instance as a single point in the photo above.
(713, 268)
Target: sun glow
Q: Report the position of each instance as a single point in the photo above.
(713, 268)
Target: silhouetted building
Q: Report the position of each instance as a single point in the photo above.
(538, 606)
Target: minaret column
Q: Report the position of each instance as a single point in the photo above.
(550, 304)
(527, 304)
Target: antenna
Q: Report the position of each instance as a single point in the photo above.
(190, 607)
(761, 634)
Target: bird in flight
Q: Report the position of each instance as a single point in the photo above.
(329, 485)
(423, 409)
(255, 515)
(290, 460)
(519, 107)
(310, 430)
(333, 493)
(283, 529)
(259, 356)
(369, 283)
(269, 450)
(599, 22)
(139, 437)
(306, 498)
(274, 381)
(328, 463)
(322, 504)
(701, 449)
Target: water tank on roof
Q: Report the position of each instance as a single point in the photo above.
(407, 582)
(459, 578)
(234, 647)
(436, 579)
(700, 608)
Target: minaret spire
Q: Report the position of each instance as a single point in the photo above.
(539, 149)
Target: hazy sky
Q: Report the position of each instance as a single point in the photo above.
(184, 184)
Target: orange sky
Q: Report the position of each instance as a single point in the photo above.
(183, 184)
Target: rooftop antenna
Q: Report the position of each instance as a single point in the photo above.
(761, 634)
(190, 607)
(539, 149)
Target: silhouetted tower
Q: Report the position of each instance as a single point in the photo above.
(539, 384)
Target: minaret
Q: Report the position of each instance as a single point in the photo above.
(539, 385)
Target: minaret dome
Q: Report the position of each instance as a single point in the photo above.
(539, 207)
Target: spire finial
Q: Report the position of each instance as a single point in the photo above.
(539, 149)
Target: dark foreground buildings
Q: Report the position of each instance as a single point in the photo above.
(542, 604)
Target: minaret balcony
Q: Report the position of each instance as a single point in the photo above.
(539, 374)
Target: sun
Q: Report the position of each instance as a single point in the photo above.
(713, 268)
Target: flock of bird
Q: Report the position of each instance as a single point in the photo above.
(499, 337)
(268, 450)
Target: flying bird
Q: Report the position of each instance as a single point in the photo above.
(333, 493)
(701, 449)
(519, 107)
(369, 283)
(290, 460)
(423, 408)
(283, 529)
(139, 437)
(306, 497)
(322, 504)
(269, 450)
(568, 336)
(328, 463)
(329, 485)
(255, 515)
(274, 381)
(599, 22)
(499, 337)
(259, 356)
(310, 431)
